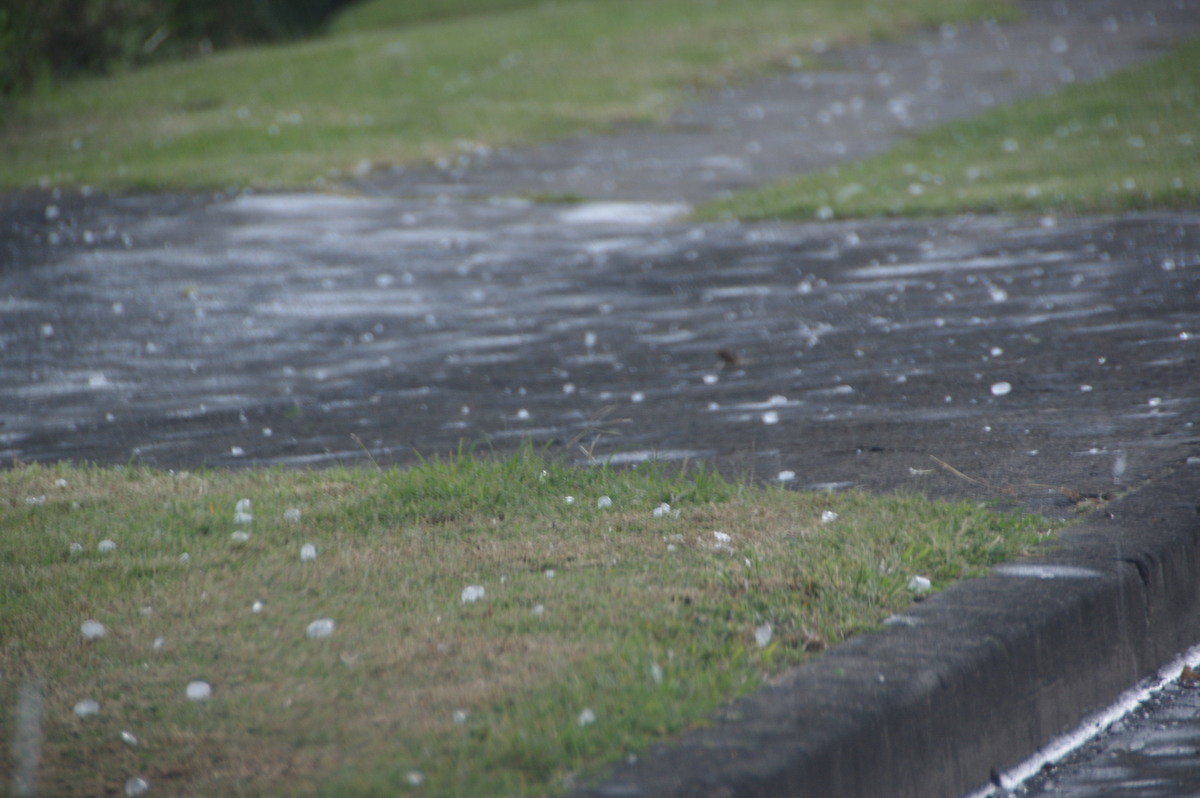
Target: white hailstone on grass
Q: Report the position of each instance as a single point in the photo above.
(129, 738)
(239, 536)
(656, 673)
(723, 539)
(159, 642)
(415, 778)
(662, 511)
(87, 707)
(92, 630)
(763, 635)
(256, 607)
(1001, 389)
(604, 501)
(587, 717)
(460, 716)
(185, 557)
(786, 476)
(828, 516)
(308, 552)
(549, 573)
(919, 584)
(198, 691)
(569, 499)
(292, 514)
(538, 610)
(472, 593)
(60, 483)
(136, 785)
(241, 512)
(106, 546)
(75, 548)
(320, 628)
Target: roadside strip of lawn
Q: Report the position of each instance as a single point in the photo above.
(1130, 142)
(373, 94)
(496, 626)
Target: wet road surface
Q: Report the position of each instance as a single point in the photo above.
(1057, 358)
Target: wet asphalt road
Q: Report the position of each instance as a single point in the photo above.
(1056, 358)
(1048, 360)
(1151, 753)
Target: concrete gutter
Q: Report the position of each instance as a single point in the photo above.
(976, 678)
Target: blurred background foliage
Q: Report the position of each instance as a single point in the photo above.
(42, 41)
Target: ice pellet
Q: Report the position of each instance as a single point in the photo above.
(107, 546)
(87, 707)
(919, 584)
(587, 717)
(828, 516)
(199, 691)
(472, 593)
(763, 634)
(292, 514)
(136, 786)
(1001, 389)
(240, 536)
(308, 552)
(320, 628)
(92, 630)
(604, 501)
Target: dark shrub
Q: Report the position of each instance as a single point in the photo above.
(45, 39)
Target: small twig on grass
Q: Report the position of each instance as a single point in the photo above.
(1074, 496)
(366, 451)
(602, 425)
(973, 480)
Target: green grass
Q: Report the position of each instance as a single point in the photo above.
(1131, 142)
(645, 621)
(372, 94)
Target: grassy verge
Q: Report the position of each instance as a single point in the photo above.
(1127, 143)
(603, 625)
(371, 95)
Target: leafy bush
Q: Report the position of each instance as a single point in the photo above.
(41, 40)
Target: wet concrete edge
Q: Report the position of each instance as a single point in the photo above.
(975, 678)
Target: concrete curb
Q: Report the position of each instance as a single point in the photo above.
(977, 677)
